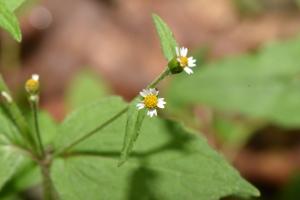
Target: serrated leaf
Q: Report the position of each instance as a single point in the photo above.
(169, 162)
(9, 22)
(86, 88)
(134, 123)
(85, 120)
(264, 86)
(13, 4)
(167, 41)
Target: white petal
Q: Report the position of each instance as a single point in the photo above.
(188, 70)
(183, 52)
(153, 91)
(152, 112)
(177, 51)
(145, 92)
(191, 64)
(35, 77)
(161, 103)
(140, 106)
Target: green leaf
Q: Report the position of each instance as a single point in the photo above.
(264, 86)
(169, 162)
(232, 133)
(12, 5)
(48, 128)
(134, 123)
(86, 88)
(86, 120)
(10, 160)
(167, 41)
(9, 22)
(7, 129)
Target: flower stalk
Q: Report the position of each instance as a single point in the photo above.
(34, 109)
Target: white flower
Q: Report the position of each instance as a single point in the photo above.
(185, 62)
(151, 101)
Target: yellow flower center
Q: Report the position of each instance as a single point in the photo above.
(150, 101)
(183, 61)
(32, 86)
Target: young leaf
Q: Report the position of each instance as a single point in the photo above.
(168, 163)
(87, 121)
(167, 41)
(9, 21)
(134, 123)
(265, 85)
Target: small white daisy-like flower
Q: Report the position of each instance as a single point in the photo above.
(151, 101)
(185, 62)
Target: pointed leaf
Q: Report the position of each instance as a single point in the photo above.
(167, 41)
(9, 22)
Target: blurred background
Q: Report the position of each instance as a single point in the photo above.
(85, 49)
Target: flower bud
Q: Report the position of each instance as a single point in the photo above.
(174, 66)
(32, 85)
(7, 97)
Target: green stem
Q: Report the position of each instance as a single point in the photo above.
(48, 187)
(165, 73)
(70, 146)
(16, 117)
(34, 108)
